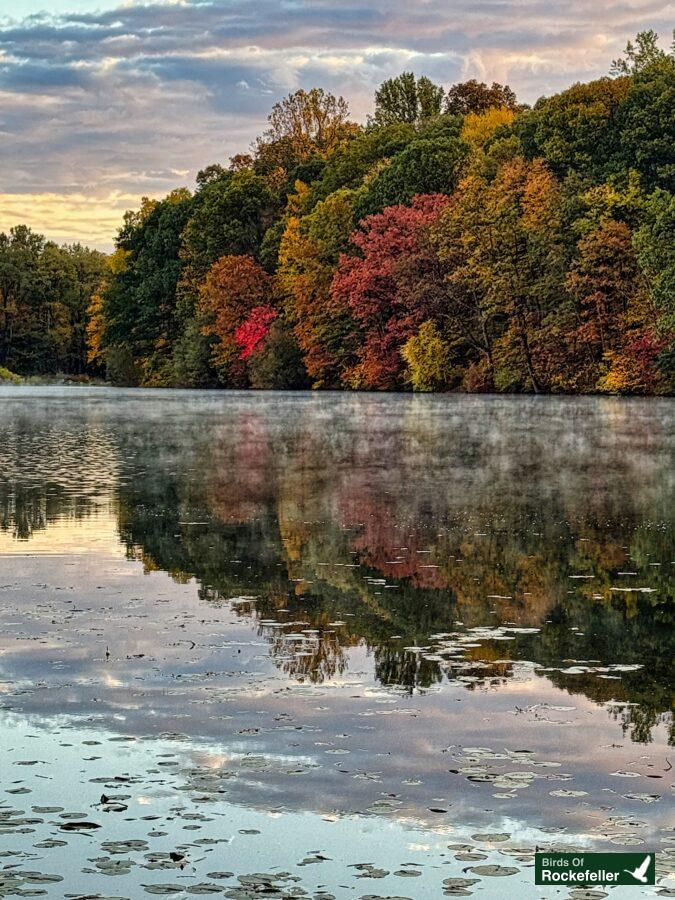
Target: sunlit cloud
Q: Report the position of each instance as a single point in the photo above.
(83, 218)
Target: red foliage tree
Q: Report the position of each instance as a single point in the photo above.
(252, 333)
(391, 288)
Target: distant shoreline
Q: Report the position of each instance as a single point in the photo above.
(76, 381)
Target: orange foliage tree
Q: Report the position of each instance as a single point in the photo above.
(233, 288)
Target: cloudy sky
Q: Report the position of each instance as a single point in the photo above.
(101, 103)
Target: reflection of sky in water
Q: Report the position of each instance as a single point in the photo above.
(254, 574)
(68, 538)
(218, 836)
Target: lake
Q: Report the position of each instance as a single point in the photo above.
(331, 645)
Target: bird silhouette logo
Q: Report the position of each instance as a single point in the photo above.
(640, 874)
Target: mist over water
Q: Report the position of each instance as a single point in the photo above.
(357, 645)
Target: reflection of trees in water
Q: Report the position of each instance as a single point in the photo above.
(48, 474)
(626, 629)
(300, 570)
(313, 527)
(638, 720)
(26, 510)
(402, 516)
(316, 658)
(394, 666)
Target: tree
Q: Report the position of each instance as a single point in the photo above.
(89, 269)
(233, 288)
(655, 245)
(577, 130)
(646, 122)
(501, 244)
(309, 252)
(240, 162)
(140, 303)
(427, 356)
(617, 331)
(231, 212)
(354, 160)
(20, 251)
(634, 368)
(490, 137)
(406, 99)
(97, 320)
(489, 247)
(479, 127)
(471, 321)
(229, 216)
(391, 288)
(605, 280)
(276, 364)
(475, 97)
(209, 174)
(426, 166)
(45, 292)
(251, 334)
(191, 359)
(639, 55)
(303, 124)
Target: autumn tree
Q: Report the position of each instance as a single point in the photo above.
(303, 124)
(240, 162)
(233, 288)
(253, 331)
(479, 127)
(491, 140)
(605, 280)
(428, 359)
(471, 321)
(310, 249)
(475, 97)
(460, 241)
(501, 244)
(391, 287)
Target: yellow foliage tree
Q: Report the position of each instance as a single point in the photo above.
(479, 127)
(428, 358)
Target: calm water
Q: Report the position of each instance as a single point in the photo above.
(331, 645)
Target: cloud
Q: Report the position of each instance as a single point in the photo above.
(85, 218)
(111, 103)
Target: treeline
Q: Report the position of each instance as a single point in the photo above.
(457, 241)
(45, 294)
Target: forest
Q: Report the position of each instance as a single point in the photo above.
(457, 241)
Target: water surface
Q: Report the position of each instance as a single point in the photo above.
(331, 645)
